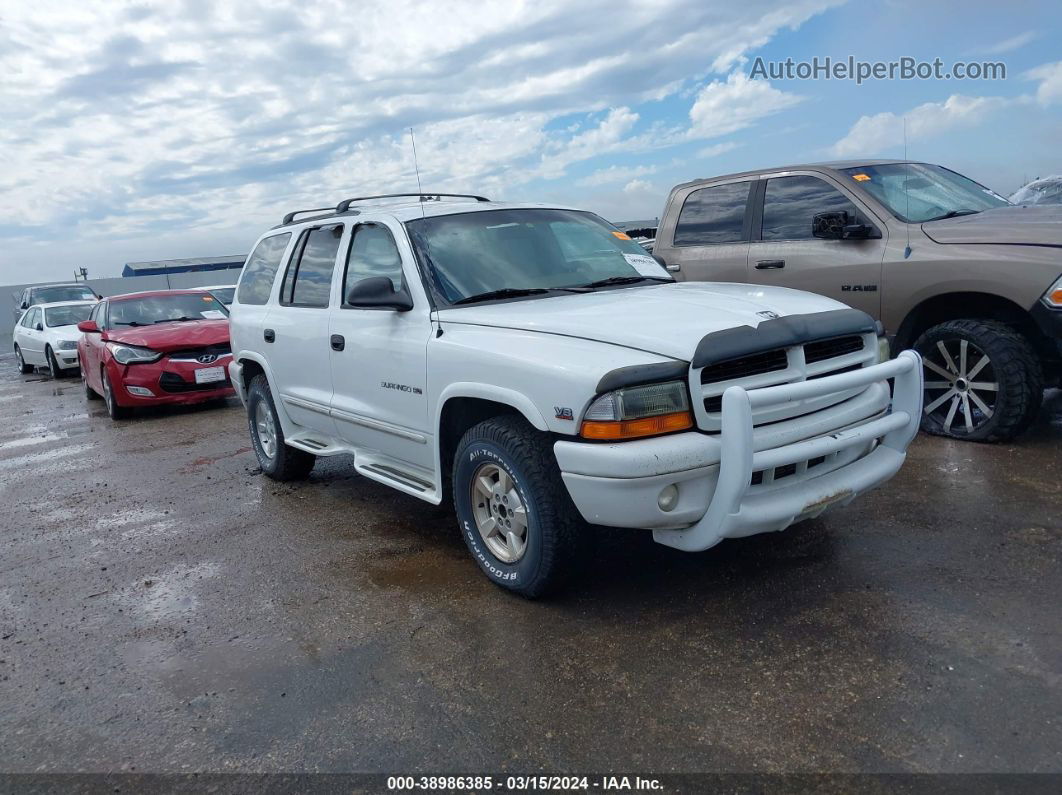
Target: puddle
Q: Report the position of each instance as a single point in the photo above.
(172, 594)
(423, 571)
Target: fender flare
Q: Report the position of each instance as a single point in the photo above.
(286, 424)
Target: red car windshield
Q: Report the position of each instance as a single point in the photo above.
(154, 309)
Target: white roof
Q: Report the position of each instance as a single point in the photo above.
(63, 303)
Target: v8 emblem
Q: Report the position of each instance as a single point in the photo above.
(564, 413)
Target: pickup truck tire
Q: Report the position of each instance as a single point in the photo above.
(955, 387)
(504, 472)
(276, 458)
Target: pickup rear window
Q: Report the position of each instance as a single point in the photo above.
(713, 215)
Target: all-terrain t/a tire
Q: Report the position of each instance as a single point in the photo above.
(20, 363)
(984, 381)
(513, 509)
(277, 459)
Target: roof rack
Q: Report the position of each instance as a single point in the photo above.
(344, 205)
(291, 216)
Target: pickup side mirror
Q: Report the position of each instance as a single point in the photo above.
(377, 292)
(88, 327)
(841, 226)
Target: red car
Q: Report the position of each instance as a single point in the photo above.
(155, 349)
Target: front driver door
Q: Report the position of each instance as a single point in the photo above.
(784, 253)
(379, 360)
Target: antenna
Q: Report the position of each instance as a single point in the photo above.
(416, 167)
(906, 194)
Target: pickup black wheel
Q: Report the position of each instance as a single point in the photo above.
(20, 363)
(984, 381)
(513, 508)
(277, 459)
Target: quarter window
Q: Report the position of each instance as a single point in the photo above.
(713, 215)
(791, 204)
(261, 269)
(372, 253)
(308, 280)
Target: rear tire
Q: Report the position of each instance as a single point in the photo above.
(277, 459)
(984, 381)
(20, 363)
(115, 411)
(514, 510)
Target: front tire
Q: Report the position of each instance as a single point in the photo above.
(513, 509)
(90, 393)
(115, 411)
(20, 363)
(54, 370)
(984, 381)
(277, 459)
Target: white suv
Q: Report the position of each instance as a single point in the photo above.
(534, 365)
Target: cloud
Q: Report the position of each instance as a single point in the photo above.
(614, 175)
(1008, 45)
(637, 186)
(195, 115)
(872, 134)
(1049, 92)
(717, 149)
(722, 108)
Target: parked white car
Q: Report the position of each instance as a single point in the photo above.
(539, 368)
(46, 336)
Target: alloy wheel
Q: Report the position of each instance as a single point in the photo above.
(961, 388)
(500, 515)
(19, 361)
(266, 429)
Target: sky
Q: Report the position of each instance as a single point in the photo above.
(185, 128)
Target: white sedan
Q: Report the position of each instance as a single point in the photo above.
(46, 336)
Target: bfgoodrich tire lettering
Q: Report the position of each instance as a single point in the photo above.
(278, 460)
(556, 537)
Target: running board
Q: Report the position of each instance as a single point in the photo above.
(402, 479)
(313, 444)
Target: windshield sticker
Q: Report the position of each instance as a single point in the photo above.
(646, 265)
(860, 177)
(213, 314)
(621, 235)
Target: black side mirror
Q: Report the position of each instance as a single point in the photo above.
(39, 327)
(24, 305)
(841, 226)
(377, 292)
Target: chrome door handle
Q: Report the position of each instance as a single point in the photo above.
(674, 268)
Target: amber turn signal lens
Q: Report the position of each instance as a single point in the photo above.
(1055, 297)
(633, 429)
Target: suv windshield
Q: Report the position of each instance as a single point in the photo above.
(920, 192)
(49, 295)
(513, 253)
(66, 315)
(224, 294)
(165, 308)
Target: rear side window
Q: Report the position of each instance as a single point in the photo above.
(260, 270)
(713, 215)
(791, 203)
(308, 280)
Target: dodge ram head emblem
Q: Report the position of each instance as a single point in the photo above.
(767, 314)
(207, 358)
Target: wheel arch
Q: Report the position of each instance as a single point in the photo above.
(252, 365)
(972, 305)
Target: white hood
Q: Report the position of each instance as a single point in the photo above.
(666, 319)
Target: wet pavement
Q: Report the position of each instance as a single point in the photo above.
(163, 607)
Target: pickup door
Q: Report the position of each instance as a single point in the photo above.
(705, 233)
(783, 252)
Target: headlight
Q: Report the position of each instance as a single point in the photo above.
(131, 354)
(1053, 297)
(638, 411)
(67, 345)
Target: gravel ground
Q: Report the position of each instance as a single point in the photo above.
(163, 607)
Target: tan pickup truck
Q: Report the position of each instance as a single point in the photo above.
(951, 269)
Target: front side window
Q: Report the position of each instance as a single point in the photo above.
(30, 321)
(474, 255)
(308, 280)
(920, 192)
(66, 315)
(713, 215)
(790, 205)
(152, 309)
(372, 253)
(261, 269)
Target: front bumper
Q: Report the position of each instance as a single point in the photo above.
(169, 382)
(828, 459)
(67, 359)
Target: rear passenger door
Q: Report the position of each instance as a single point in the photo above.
(707, 239)
(784, 252)
(299, 353)
(32, 343)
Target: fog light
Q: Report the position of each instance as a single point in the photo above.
(668, 498)
(140, 391)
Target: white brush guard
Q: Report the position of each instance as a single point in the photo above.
(735, 512)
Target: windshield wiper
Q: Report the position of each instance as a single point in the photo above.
(130, 323)
(612, 280)
(182, 319)
(505, 292)
(952, 214)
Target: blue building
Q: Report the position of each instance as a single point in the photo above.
(164, 267)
